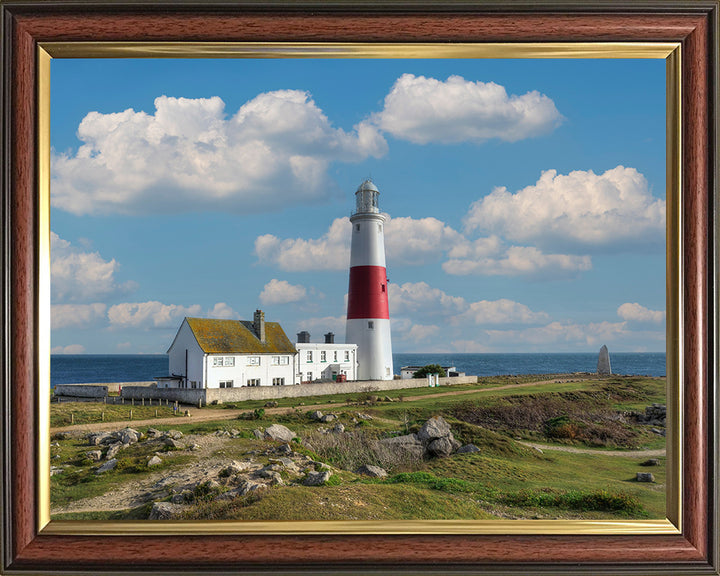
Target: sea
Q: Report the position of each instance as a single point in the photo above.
(98, 368)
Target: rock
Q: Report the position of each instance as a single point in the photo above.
(174, 434)
(113, 450)
(99, 438)
(94, 455)
(603, 365)
(408, 443)
(657, 431)
(651, 462)
(128, 436)
(182, 497)
(194, 447)
(109, 465)
(285, 449)
(442, 447)
(154, 461)
(60, 436)
(362, 416)
(468, 449)
(316, 478)
(315, 415)
(153, 432)
(338, 428)
(644, 477)
(258, 434)
(56, 470)
(271, 404)
(165, 511)
(372, 471)
(434, 428)
(328, 418)
(279, 432)
(174, 444)
(249, 486)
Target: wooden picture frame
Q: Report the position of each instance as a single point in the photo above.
(28, 546)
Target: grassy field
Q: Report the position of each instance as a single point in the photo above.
(506, 479)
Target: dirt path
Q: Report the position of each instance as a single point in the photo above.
(595, 452)
(206, 415)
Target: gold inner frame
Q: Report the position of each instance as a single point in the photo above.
(670, 52)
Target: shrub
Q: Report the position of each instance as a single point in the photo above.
(429, 369)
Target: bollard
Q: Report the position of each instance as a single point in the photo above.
(72, 418)
(155, 413)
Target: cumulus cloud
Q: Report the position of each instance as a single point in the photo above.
(517, 261)
(634, 312)
(80, 276)
(77, 315)
(501, 311)
(413, 297)
(189, 156)
(70, 349)
(569, 334)
(423, 110)
(282, 292)
(151, 314)
(410, 241)
(222, 311)
(321, 325)
(578, 211)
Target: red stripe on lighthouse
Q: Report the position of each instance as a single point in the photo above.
(367, 294)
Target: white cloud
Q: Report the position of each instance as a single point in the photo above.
(563, 334)
(150, 314)
(70, 349)
(329, 252)
(413, 297)
(189, 156)
(576, 211)
(222, 311)
(80, 276)
(410, 241)
(423, 110)
(518, 261)
(634, 312)
(282, 292)
(77, 315)
(501, 311)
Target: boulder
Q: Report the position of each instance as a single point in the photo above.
(468, 449)
(154, 461)
(434, 428)
(153, 432)
(258, 434)
(165, 511)
(128, 436)
(249, 486)
(98, 438)
(338, 428)
(285, 449)
(372, 471)
(328, 418)
(644, 477)
(113, 450)
(317, 478)
(442, 447)
(316, 415)
(56, 470)
(651, 462)
(95, 455)
(174, 444)
(271, 404)
(279, 432)
(174, 434)
(194, 447)
(109, 465)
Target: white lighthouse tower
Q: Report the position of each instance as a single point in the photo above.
(368, 317)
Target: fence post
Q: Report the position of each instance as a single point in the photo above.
(102, 416)
(72, 418)
(131, 414)
(156, 413)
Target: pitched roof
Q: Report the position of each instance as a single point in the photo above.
(238, 337)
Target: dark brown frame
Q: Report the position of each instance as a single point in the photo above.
(694, 24)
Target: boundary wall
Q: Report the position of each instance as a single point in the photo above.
(221, 395)
(98, 390)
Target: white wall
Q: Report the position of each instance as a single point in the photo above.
(374, 347)
(185, 340)
(243, 371)
(323, 370)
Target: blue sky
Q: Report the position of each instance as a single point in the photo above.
(526, 199)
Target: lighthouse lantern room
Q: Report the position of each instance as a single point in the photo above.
(368, 317)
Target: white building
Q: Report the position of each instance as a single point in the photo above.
(368, 317)
(325, 361)
(210, 353)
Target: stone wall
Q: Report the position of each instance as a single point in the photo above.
(98, 390)
(220, 395)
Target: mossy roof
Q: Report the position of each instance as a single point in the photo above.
(238, 337)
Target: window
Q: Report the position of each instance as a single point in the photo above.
(253, 382)
(309, 376)
(335, 356)
(371, 325)
(217, 360)
(357, 227)
(309, 356)
(253, 360)
(347, 355)
(280, 360)
(383, 287)
(323, 356)
(229, 361)
(226, 384)
(278, 381)
(223, 361)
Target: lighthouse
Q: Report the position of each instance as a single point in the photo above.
(368, 317)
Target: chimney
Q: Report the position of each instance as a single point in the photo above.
(259, 325)
(303, 337)
(329, 338)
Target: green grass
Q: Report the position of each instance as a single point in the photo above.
(94, 412)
